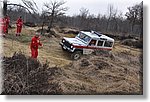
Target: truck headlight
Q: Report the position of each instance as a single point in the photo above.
(71, 46)
(63, 40)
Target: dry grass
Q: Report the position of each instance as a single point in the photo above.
(46, 53)
(119, 74)
(122, 48)
(114, 78)
(54, 57)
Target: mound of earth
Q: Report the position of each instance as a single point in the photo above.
(133, 43)
(96, 74)
(24, 75)
(105, 75)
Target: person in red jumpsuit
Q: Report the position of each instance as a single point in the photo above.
(3, 26)
(7, 20)
(35, 43)
(19, 24)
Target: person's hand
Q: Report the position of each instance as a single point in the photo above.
(38, 41)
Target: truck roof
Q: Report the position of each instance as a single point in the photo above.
(96, 35)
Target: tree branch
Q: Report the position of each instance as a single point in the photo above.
(20, 6)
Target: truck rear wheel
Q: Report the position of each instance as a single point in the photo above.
(76, 55)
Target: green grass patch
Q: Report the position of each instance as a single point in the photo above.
(22, 38)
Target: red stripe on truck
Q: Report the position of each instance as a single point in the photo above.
(91, 47)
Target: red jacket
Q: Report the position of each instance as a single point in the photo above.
(3, 25)
(7, 19)
(19, 22)
(35, 42)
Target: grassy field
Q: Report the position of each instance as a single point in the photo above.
(118, 73)
(51, 50)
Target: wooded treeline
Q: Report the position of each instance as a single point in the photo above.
(113, 22)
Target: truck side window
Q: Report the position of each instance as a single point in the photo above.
(92, 43)
(108, 44)
(100, 43)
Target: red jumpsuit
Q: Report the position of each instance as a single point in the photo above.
(19, 24)
(3, 26)
(35, 42)
(7, 19)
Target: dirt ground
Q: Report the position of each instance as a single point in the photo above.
(50, 51)
(119, 72)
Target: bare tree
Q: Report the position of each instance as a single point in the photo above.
(30, 6)
(83, 17)
(54, 9)
(120, 20)
(111, 15)
(135, 16)
(84, 12)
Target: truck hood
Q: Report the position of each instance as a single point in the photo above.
(75, 41)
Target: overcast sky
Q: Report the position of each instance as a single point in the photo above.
(94, 6)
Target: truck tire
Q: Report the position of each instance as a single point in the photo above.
(63, 48)
(76, 55)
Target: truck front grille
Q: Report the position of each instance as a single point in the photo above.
(67, 44)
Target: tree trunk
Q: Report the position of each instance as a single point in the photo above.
(51, 22)
(107, 25)
(4, 7)
(132, 27)
(141, 32)
(42, 28)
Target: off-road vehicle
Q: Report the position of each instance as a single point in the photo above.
(86, 42)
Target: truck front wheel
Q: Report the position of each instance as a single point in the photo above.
(76, 55)
(63, 48)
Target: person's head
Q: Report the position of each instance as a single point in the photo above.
(37, 34)
(93, 42)
(20, 17)
(6, 16)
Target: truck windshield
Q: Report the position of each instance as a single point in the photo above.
(84, 37)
